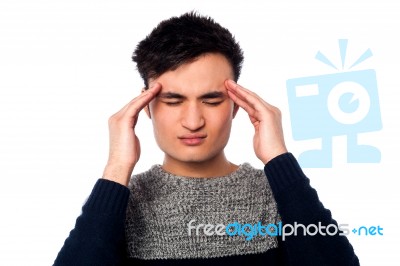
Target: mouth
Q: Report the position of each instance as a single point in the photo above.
(192, 139)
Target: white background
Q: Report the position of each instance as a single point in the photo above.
(65, 67)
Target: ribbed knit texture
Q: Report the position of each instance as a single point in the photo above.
(283, 171)
(109, 196)
(162, 204)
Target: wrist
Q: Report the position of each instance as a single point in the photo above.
(118, 173)
(266, 159)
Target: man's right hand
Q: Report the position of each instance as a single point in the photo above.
(124, 149)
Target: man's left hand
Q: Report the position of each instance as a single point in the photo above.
(268, 139)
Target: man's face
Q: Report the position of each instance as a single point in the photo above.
(192, 114)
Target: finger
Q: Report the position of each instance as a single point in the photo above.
(249, 97)
(249, 110)
(137, 98)
(266, 104)
(137, 104)
(243, 104)
(146, 93)
(132, 108)
(236, 87)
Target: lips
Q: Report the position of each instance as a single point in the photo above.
(192, 139)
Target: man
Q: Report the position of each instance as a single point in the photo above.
(197, 207)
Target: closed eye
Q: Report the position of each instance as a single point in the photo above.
(173, 103)
(212, 103)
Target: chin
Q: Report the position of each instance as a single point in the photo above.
(189, 156)
(193, 159)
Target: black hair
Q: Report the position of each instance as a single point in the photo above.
(181, 40)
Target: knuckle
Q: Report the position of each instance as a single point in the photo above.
(113, 119)
(276, 110)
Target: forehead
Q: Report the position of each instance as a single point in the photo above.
(207, 73)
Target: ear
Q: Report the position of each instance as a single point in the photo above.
(235, 109)
(146, 108)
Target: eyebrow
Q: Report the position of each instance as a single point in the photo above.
(208, 95)
(212, 95)
(171, 95)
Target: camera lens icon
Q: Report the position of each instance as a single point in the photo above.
(348, 102)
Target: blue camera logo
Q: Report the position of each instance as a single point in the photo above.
(325, 106)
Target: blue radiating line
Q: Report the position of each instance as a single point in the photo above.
(367, 54)
(321, 57)
(343, 50)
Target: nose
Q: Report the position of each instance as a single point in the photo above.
(192, 117)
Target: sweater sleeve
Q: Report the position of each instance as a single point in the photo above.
(298, 203)
(98, 237)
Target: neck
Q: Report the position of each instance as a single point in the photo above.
(214, 167)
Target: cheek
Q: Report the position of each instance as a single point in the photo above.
(221, 120)
(156, 110)
(162, 118)
(157, 115)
